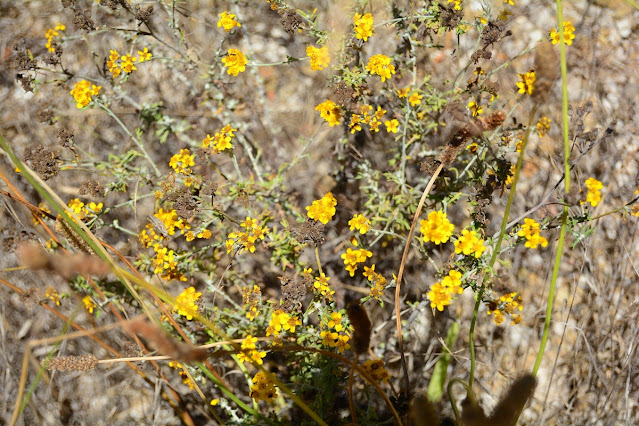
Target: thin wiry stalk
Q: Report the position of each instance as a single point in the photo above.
(564, 215)
(400, 274)
(480, 294)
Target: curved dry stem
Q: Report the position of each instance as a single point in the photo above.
(400, 274)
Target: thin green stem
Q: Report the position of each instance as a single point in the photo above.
(551, 292)
(564, 216)
(480, 294)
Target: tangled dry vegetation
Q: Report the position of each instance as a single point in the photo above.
(213, 213)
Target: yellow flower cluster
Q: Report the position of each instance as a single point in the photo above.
(329, 112)
(437, 228)
(319, 57)
(170, 221)
(251, 298)
(235, 61)
(381, 65)
(377, 280)
(249, 351)
(165, 263)
(227, 21)
(83, 211)
(365, 116)
(323, 209)
(569, 35)
(53, 32)
(475, 108)
(360, 223)
(182, 372)
(322, 288)
(363, 26)
(83, 91)
(148, 236)
(442, 293)
(507, 304)
(182, 162)
(280, 320)
(126, 62)
(205, 235)
(53, 295)
(526, 83)
(530, 230)
(333, 339)
(354, 257)
(263, 389)
(375, 368)
(89, 305)
(221, 140)
(470, 243)
(543, 126)
(186, 303)
(594, 193)
(247, 238)
(457, 3)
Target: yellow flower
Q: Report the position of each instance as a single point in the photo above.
(569, 35)
(53, 32)
(329, 112)
(221, 140)
(360, 223)
(543, 126)
(323, 209)
(336, 321)
(376, 370)
(504, 14)
(536, 240)
(88, 304)
(205, 234)
(392, 126)
(54, 296)
(402, 93)
(457, 3)
(437, 228)
(470, 243)
(363, 26)
(263, 388)
(83, 91)
(127, 64)
(182, 162)
(227, 20)
(319, 57)
(111, 64)
(415, 99)
(249, 351)
(439, 296)
(526, 83)
(321, 285)
(475, 108)
(352, 258)
(594, 195)
(186, 303)
(235, 61)
(145, 55)
(381, 65)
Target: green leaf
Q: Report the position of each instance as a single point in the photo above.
(436, 385)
